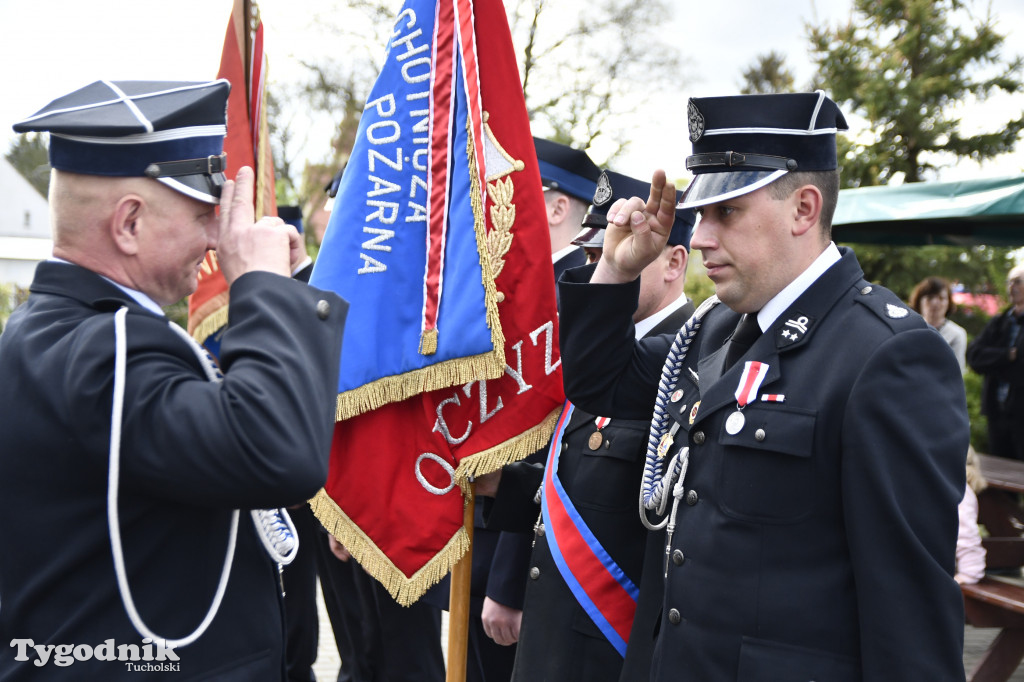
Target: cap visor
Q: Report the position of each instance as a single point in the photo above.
(591, 237)
(710, 188)
(201, 187)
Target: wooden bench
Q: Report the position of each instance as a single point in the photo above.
(996, 602)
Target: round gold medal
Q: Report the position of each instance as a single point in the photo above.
(595, 440)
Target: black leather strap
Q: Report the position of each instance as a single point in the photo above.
(209, 165)
(739, 160)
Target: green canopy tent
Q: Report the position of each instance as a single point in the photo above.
(984, 211)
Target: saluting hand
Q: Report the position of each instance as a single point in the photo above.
(244, 246)
(637, 232)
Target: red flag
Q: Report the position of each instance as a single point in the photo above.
(397, 483)
(243, 64)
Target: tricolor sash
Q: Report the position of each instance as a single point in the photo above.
(598, 583)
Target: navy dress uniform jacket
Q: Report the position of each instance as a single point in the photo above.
(818, 542)
(559, 641)
(191, 451)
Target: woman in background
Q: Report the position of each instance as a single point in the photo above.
(933, 299)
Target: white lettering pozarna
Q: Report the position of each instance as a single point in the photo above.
(411, 49)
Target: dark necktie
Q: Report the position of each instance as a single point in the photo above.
(746, 333)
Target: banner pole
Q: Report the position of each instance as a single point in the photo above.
(458, 602)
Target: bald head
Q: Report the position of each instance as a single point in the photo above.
(134, 231)
(81, 210)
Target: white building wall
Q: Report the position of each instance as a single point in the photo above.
(24, 227)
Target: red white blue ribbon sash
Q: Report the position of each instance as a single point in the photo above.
(750, 381)
(598, 583)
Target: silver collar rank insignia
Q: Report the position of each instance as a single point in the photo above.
(895, 312)
(793, 330)
(696, 121)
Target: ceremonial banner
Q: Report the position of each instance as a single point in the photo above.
(398, 478)
(406, 241)
(243, 64)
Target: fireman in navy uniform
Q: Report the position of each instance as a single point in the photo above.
(569, 177)
(501, 558)
(600, 466)
(815, 522)
(138, 174)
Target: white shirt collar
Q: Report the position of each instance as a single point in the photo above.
(139, 297)
(563, 252)
(785, 298)
(644, 326)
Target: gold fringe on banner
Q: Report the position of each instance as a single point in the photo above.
(212, 321)
(401, 386)
(403, 589)
(512, 450)
(491, 365)
(480, 227)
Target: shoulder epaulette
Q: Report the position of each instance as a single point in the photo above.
(887, 306)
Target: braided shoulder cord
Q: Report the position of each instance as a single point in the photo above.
(654, 492)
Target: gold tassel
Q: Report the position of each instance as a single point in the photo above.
(428, 342)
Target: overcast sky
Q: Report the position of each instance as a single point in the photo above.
(50, 47)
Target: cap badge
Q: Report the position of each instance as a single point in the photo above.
(895, 311)
(603, 193)
(696, 121)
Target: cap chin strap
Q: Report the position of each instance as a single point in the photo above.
(740, 161)
(209, 165)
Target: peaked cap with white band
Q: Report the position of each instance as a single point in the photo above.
(744, 142)
(612, 186)
(565, 169)
(170, 131)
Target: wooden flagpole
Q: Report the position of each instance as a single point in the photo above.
(458, 602)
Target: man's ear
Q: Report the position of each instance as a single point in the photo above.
(676, 263)
(807, 202)
(559, 209)
(124, 223)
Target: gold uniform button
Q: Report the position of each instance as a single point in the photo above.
(323, 309)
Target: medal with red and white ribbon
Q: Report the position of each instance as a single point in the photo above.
(596, 438)
(746, 391)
